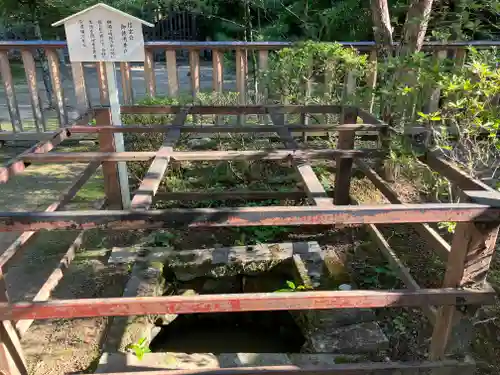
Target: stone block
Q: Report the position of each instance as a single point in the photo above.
(144, 282)
(253, 359)
(318, 361)
(356, 338)
(122, 255)
(341, 317)
(128, 362)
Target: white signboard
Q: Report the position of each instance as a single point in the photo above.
(102, 33)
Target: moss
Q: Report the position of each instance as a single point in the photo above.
(157, 265)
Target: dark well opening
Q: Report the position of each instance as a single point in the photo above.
(248, 332)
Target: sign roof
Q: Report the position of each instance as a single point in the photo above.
(105, 6)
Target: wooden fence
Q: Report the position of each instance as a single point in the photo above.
(456, 50)
(467, 258)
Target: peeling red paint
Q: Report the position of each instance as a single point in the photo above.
(241, 302)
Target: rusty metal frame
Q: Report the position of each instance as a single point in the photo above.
(483, 207)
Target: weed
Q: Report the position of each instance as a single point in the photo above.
(291, 287)
(448, 225)
(377, 277)
(400, 322)
(255, 235)
(340, 360)
(140, 348)
(162, 239)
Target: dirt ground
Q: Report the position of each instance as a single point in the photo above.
(60, 346)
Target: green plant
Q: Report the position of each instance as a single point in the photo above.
(163, 238)
(377, 276)
(400, 322)
(463, 128)
(448, 225)
(140, 348)
(255, 235)
(313, 72)
(291, 287)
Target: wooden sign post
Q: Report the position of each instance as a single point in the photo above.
(103, 33)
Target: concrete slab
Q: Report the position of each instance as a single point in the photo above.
(122, 255)
(190, 264)
(128, 362)
(315, 361)
(352, 339)
(253, 359)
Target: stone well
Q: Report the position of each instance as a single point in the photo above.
(243, 269)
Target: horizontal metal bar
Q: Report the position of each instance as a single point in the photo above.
(45, 292)
(256, 109)
(37, 136)
(361, 368)
(397, 265)
(16, 165)
(313, 186)
(403, 273)
(363, 45)
(64, 157)
(143, 197)
(447, 169)
(52, 281)
(17, 247)
(247, 216)
(230, 195)
(81, 308)
(225, 129)
(432, 237)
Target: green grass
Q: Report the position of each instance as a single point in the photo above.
(51, 123)
(17, 70)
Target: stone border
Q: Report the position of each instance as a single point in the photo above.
(338, 332)
(119, 362)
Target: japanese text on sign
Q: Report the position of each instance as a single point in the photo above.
(105, 38)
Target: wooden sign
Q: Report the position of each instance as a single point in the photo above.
(103, 33)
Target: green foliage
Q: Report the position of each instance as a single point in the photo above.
(314, 73)
(377, 277)
(163, 239)
(448, 225)
(466, 20)
(255, 235)
(470, 112)
(292, 287)
(153, 141)
(464, 128)
(140, 348)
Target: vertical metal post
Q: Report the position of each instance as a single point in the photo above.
(173, 80)
(12, 361)
(82, 99)
(114, 102)
(36, 106)
(344, 165)
(472, 250)
(371, 80)
(10, 92)
(103, 86)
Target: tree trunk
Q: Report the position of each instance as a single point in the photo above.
(415, 27)
(382, 28)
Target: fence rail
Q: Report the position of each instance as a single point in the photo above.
(21, 127)
(467, 258)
